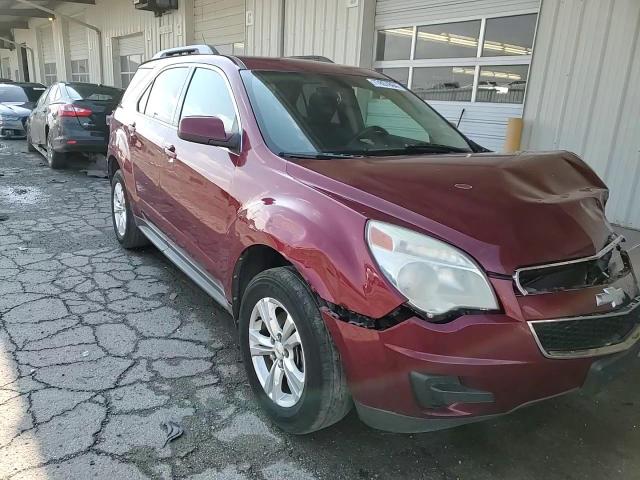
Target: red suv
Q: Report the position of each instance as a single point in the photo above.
(369, 252)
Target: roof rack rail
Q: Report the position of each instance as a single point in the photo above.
(187, 50)
(317, 58)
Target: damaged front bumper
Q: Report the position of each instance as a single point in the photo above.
(418, 376)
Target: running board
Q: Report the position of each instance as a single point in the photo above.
(40, 150)
(181, 260)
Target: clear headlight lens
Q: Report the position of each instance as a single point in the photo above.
(434, 276)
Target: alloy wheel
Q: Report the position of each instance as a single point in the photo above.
(276, 352)
(119, 209)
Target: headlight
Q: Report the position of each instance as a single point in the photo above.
(434, 276)
(7, 118)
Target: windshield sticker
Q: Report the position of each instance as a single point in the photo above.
(377, 82)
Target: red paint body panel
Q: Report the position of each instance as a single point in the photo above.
(523, 210)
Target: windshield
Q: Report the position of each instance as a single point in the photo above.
(19, 94)
(96, 93)
(311, 114)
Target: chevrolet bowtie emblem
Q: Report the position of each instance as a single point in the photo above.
(612, 296)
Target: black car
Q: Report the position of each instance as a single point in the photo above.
(71, 117)
(16, 102)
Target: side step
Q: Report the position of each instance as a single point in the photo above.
(40, 150)
(180, 258)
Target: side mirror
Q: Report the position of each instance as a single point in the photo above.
(208, 131)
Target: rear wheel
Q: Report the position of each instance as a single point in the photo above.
(291, 361)
(54, 159)
(127, 232)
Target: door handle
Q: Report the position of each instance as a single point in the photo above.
(170, 151)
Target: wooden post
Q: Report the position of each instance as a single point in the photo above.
(513, 135)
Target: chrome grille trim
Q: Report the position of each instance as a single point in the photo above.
(516, 276)
(627, 343)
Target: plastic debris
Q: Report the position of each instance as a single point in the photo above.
(173, 431)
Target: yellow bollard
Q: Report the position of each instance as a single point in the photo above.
(513, 135)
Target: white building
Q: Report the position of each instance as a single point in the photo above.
(570, 68)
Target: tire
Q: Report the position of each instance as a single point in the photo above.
(324, 398)
(30, 147)
(55, 159)
(124, 226)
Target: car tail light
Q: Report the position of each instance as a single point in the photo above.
(69, 110)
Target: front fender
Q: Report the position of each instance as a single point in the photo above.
(327, 247)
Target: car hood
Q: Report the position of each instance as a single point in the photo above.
(507, 211)
(18, 109)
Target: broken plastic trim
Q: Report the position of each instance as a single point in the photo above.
(396, 317)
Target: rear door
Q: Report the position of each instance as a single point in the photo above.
(97, 101)
(38, 118)
(197, 179)
(153, 128)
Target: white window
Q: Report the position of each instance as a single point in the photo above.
(80, 71)
(50, 73)
(128, 66)
(483, 60)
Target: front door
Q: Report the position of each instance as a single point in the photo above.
(198, 178)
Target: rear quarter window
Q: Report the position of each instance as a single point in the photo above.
(133, 91)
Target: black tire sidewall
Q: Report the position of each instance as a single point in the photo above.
(301, 416)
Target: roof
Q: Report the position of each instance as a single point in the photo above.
(307, 66)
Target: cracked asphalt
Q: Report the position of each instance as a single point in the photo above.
(99, 347)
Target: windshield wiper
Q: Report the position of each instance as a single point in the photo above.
(435, 147)
(316, 156)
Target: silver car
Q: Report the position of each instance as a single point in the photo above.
(16, 102)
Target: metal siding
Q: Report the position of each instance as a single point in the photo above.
(131, 45)
(397, 13)
(118, 18)
(483, 123)
(78, 45)
(219, 22)
(46, 45)
(583, 93)
(329, 28)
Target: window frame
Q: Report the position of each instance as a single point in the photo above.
(80, 77)
(476, 62)
(172, 122)
(50, 78)
(130, 74)
(183, 95)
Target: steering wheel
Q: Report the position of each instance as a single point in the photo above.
(373, 132)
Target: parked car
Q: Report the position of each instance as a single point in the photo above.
(369, 252)
(71, 117)
(16, 102)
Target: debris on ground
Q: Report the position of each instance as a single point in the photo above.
(97, 174)
(57, 180)
(173, 431)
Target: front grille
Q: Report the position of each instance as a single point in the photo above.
(602, 269)
(570, 336)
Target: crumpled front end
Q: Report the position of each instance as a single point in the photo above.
(416, 375)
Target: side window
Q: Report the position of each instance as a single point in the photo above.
(44, 98)
(144, 99)
(208, 96)
(165, 93)
(54, 95)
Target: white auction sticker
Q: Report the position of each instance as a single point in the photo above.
(378, 82)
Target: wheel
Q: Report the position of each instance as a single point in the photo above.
(127, 232)
(30, 147)
(292, 364)
(54, 159)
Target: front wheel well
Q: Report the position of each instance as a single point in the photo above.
(112, 166)
(254, 260)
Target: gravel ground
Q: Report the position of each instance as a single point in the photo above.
(99, 347)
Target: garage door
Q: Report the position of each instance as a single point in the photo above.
(468, 59)
(48, 53)
(130, 54)
(220, 23)
(78, 52)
